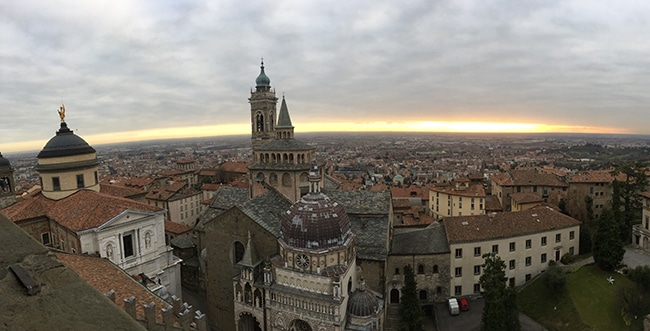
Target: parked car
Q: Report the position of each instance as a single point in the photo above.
(464, 304)
(453, 306)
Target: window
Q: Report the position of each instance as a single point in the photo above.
(495, 249)
(543, 241)
(56, 184)
(459, 272)
(80, 181)
(558, 237)
(511, 264)
(420, 269)
(472, 206)
(238, 251)
(544, 258)
(512, 246)
(529, 243)
(459, 253)
(477, 288)
(397, 271)
(528, 277)
(477, 251)
(435, 268)
(458, 290)
(529, 260)
(477, 269)
(571, 251)
(127, 245)
(423, 294)
(439, 290)
(45, 238)
(572, 235)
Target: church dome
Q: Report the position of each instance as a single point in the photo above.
(4, 163)
(315, 222)
(262, 79)
(65, 143)
(363, 303)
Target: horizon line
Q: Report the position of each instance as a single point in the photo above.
(433, 127)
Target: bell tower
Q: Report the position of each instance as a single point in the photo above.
(263, 110)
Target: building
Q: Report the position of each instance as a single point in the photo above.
(546, 185)
(524, 240)
(589, 192)
(426, 250)
(641, 232)
(72, 215)
(460, 198)
(181, 202)
(246, 244)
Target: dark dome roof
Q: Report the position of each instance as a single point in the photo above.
(65, 143)
(262, 79)
(315, 222)
(4, 163)
(363, 303)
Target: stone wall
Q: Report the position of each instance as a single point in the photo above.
(220, 235)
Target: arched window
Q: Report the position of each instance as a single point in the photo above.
(420, 269)
(394, 296)
(259, 121)
(299, 325)
(286, 179)
(435, 268)
(238, 252)
(273, 179)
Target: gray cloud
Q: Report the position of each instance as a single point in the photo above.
(129, 65)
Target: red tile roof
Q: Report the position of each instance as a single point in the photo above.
(526, 197)
(591, 176)
(462, 229)
(410, 192)
(176, 228)
(120, 191)
(80, 211)
(105, 276)
(527, 177)
(645, 194)
(237, 167)
(473, 190)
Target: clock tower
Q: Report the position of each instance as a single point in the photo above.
(263, 110)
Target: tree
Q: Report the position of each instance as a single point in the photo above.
(585, 239)
(554, 278)
(607, 245)
(410, 312)
(500, 310)
(629, 179)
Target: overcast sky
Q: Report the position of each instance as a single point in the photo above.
(123, 66)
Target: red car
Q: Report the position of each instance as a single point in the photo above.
(464, 305)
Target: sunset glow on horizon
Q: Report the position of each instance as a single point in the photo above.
(244, 129)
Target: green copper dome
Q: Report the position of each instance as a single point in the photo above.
(262, 79)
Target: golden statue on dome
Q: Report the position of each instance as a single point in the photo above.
(62, 113)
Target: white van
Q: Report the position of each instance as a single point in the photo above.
(453, 306)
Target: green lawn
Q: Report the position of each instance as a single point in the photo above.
(589, 302)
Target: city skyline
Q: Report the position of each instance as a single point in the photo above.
(131, 71)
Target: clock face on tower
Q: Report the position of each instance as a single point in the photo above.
(302, 261)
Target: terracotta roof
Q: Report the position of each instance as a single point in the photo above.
(105, 276)
(505, 225)
(645, 194)
(472, 191)
(527, 177)
(410, 192)
(120, 191)
(165, 193)
(526, 197)
(492, 204)
(80, 211)
(591, 176)
(210, 187)
(176, 228)
(238, 167)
